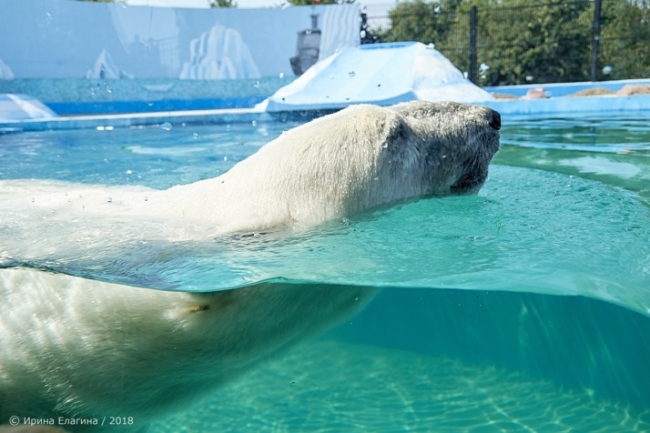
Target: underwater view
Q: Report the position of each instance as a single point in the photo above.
(525, 307)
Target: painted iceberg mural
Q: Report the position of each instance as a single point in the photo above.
(106, 69)
(219, 54)
(381, 74)
(5, 71)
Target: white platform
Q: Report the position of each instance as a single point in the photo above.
(380, 74)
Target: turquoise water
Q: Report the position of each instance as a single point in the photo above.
(468, 334)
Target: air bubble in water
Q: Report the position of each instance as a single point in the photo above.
(166, 126)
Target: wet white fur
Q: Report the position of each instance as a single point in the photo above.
(72, 346)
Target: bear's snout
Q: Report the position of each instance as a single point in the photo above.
(494, 119)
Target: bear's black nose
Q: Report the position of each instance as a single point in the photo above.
(495, 120)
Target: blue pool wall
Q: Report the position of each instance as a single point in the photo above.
(560, 104)
(564, 89)
(580, 344)
(69, 96)
(74, 97)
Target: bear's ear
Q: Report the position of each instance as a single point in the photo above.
(397, 132)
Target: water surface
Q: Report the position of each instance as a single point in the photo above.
(524, 308)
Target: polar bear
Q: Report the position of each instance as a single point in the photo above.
(76, 347)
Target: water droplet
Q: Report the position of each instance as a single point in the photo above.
(254, 123)
(33, 199)
(225, 158)
(100, 128)
(166, 126)
(607, 70)
(110, 128)
(362, 33)
(356, 298)
(281, 74)
(109, 89)
(195, 135)
(351, 74)
(109, 200)
(256, 85)
(431, 46)
(129, 172)
(92, 91)
(146, 198)
(529, 78)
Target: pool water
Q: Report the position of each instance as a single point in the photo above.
(525, 308)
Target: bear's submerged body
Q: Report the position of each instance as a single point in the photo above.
(77, 347)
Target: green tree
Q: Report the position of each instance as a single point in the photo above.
(222, 4)
(544, 43)
(317, 2)
(520, 42)
(625, 32)
(421, 22)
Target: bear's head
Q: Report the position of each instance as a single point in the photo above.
(450, 145)
(355, 160)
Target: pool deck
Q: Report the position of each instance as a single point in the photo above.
(637, 106)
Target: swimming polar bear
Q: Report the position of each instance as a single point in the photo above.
(76, 347)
